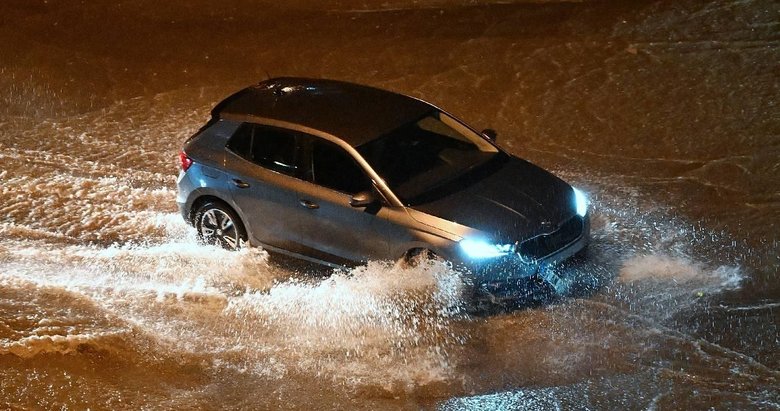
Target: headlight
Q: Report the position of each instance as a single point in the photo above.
(483, 249)
(581, 202)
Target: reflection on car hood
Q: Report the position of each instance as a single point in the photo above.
(517, 201)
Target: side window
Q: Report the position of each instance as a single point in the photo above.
(334, 168)
(241, 141)
(275, 149)
(269, 147)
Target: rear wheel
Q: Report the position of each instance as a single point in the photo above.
(218, 224)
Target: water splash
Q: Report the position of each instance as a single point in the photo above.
(378, 322)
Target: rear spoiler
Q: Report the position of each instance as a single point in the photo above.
(217, 110)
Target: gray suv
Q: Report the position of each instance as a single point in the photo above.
(339, 174)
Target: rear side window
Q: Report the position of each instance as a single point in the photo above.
(334, 168)
(272, 148)
(241, 141)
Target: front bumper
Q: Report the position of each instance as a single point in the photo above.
(510, 277)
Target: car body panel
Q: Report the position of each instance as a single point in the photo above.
(337, 228)
(201, 181)
(268, 205)
(517, 201)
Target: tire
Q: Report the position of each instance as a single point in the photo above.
(418, 256)
(217, 224)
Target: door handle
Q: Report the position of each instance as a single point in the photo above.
(240, 183)
(308, 204)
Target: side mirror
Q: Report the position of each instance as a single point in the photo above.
(362, 199)
(490, 134)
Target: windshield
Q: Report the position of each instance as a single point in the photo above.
(426, 154)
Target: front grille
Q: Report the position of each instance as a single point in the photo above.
(541, 246)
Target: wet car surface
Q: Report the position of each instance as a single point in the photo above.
(341, 174)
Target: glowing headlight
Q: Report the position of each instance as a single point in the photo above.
(581, 202)
(482, 249)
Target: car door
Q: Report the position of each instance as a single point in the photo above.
(340, 232)
(263, 164)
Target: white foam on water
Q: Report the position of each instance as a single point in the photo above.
(30, 346)
(680, 271)
(374, 321)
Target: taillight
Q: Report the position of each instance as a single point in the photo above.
(184, 160)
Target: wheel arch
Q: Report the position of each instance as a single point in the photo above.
(437, 245)
(415, 251)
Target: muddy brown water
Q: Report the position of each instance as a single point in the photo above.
(665, 112)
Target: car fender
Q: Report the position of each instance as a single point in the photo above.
(439, 245)
(201, 192)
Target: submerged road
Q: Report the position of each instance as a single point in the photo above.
(666, 112)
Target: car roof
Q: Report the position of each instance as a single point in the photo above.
(352, 112)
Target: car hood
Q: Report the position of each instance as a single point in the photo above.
(516, 201)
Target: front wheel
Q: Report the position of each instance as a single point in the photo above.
(218, 224)
(417, 257)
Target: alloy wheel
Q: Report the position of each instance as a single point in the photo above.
(218, 228)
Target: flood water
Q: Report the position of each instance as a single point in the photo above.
(665, 112)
